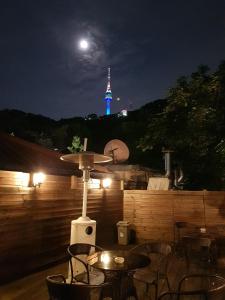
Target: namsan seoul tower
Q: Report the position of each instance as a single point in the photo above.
(108, 95)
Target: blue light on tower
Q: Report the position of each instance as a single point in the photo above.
(108, 95)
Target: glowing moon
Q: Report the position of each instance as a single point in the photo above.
(83, 44)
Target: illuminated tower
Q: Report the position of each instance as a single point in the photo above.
(108, 95)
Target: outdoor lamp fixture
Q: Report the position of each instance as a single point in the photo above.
(86, 161)
(94, 183)
(38, 178)
(83, 229)
(106, 183)
(23, 178)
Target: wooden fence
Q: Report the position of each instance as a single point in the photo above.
(35, 221)
(153, 213)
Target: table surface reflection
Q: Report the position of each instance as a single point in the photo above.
(118, 260)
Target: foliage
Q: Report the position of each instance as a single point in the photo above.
(191, 121)
(44, 141)
(193, 124)
(76, 145)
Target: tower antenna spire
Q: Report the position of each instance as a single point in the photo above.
(108, 74)
(108, 94)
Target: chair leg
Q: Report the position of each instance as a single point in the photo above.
(146, 288)
(133, 295)
(131, 291)
(71, 270)
(168, 283)
(156, 290)
(187, 262)
(110, 293)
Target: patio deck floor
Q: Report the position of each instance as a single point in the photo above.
(33, 287)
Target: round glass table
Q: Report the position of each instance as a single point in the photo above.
(118, 266)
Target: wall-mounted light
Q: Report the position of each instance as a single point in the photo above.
(38, 178)
(23, 179)
(106, 183)
(94, 183)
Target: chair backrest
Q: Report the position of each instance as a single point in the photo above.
(82, 248)
(197, 242)
(198, 287)
(179, 227)
(158, 252)
(79, 252)
(210, 285)
(153, 247)
(58, 289)
(220, 229)
(193, 245)
(183, 228)
(182, 296)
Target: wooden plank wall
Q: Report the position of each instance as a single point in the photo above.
(35, 222)
(153, 213)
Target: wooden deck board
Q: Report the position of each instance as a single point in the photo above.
(33, 287)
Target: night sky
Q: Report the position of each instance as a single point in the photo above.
(148, 45)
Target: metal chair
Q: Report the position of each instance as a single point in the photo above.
(58, 289)
(179, 227)
(198, 286)
(159, 253)
(79, 252)
(182, 228)
(200, 251)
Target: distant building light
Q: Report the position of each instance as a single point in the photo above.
(123, 113)
(91, 117)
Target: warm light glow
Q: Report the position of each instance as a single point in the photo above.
(38, 178)
(24, 178)
(84, 44)
(105, 258)
(106, 182)
(94, 183)
(203, 230)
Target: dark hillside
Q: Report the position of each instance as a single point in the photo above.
(99, 130)
(25, 125)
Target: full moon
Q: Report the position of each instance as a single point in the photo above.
(83, 44)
